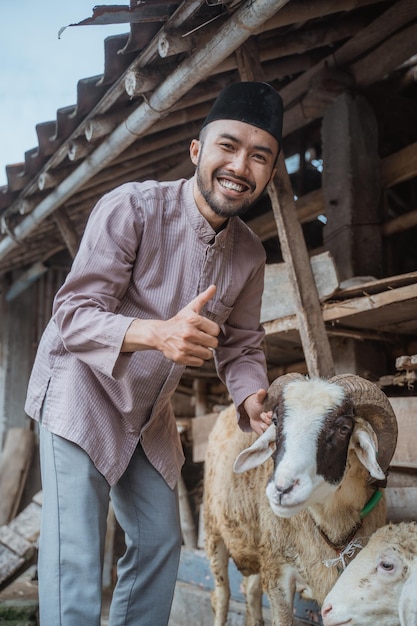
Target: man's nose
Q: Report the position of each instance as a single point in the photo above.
(239, 163)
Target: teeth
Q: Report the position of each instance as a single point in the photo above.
(229, 185)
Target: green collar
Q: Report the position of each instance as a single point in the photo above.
(371, 504)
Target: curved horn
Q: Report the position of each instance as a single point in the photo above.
(276, 387)
(371, 403)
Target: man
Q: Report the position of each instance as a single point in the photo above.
(166, 276)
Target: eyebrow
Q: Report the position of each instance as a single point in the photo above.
(261, 148)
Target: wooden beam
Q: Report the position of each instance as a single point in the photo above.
(399, 166)
(310, 323)
(67, 230)
(395, 168)
(14, 465)
(19, 542)
(314, 340)
(387, 23)
(343, 309)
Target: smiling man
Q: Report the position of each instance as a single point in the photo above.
(167, 276)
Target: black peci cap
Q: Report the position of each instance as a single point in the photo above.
(255, 103)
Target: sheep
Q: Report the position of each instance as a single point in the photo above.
(408, 599)
(280, 518)
(380, 585)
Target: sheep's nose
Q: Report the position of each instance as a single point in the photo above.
(326, 610)
(284, 489)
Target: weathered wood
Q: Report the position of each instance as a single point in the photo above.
(200, 428)
(349, 308)
(102, 125)
(139, 82)
(399, 224)
(405, 409)
(401, 504)
(170, 43)
(402, 477)
(407, 380)
(19, 542)
(408, 362)
(28, 522)
(351, 187)
(188, 529)
(388, 56)
(366, 39)
(309, 318)
(67, 230)
(300, 12)
(314, 340)
(399, 166)
(14, 465)
(353, 306)
(50, 179)
(15, 542)
(396, 167)
(277, 299)
(10, 565)
(200, 396)
(78, 149)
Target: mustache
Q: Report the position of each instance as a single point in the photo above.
(238, 179)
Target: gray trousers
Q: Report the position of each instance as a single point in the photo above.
(73, 529)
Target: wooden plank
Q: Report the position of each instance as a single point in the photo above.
(408, 362)
(310, 322)
(15, 542)
(28, 522)
(188, 529)
(401, 504)
(10, 564)
(315, 342)
(19, 542)
(343, 310)
(402, 477)
(14, 465)
(277, 299)
(405, 409)
(200, 429)
(359, 287)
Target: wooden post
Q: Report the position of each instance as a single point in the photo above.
(14, 465)
(67, 230)
(313, 335)
(311, 326)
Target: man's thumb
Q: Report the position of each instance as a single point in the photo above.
(205, 296)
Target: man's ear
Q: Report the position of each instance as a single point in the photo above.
(194, 151)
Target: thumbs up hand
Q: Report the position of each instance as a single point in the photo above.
(188, 338)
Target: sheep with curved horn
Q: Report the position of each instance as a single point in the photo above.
(292, 506)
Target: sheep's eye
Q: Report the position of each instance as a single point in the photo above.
(344, 430)
(387, 566)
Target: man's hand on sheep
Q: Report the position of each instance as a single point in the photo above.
(258, 418)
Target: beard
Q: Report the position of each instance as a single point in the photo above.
(220, 206)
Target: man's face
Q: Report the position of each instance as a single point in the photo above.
(235, 162)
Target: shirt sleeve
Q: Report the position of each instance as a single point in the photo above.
(240, 359)
(86, 308)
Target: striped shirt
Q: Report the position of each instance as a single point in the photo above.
(146, 253)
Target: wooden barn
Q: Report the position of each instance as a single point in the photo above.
(338, 223)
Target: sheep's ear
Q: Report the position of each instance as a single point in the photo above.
(408, 601)
(365, 444)
(257, 453)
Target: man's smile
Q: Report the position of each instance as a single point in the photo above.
(228, 184)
